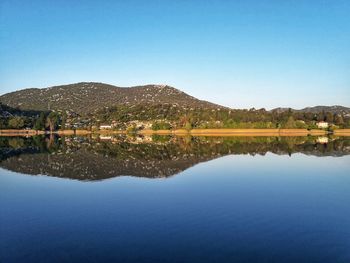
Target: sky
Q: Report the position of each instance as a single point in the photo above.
(241, 54)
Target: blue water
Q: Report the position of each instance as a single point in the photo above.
(238, 208)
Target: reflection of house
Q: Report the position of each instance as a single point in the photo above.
(322, 139)
(147, 138)
(106, 138)
(105, 127)
(115, 124)
(322, 124)
(140, 139)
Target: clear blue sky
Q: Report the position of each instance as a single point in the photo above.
(237, 53)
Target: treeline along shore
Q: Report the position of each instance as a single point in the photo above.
(194, 132)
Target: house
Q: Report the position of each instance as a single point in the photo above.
(105, 127)
(322, 125)
(140, 124)
(103, 138)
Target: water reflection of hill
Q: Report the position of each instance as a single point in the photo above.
(85, 158)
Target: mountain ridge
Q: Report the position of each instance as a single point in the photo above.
(88, 97)
(338, 109)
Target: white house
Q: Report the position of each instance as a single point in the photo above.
(322, 125)
(105, 127)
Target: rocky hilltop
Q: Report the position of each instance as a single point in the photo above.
(88, 97)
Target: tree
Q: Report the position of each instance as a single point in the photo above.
(321, 116)
(329, 117)
(3, 123)
(132, 129)
(188, 126)
(161, 126)
(52, 121)
(16, 122)
(40, 123)
(338, 119)
(290, 124)
(63, 120)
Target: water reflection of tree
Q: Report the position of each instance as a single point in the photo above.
(92, 158)
(131, 146)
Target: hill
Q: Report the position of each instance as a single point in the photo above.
(335, 109)
(88, 97)
(89, 104)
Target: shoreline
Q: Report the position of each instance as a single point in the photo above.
(237, 132)
(193, 132)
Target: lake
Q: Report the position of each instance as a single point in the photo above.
(174, 199)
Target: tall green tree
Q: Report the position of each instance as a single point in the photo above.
(63, 120)
(329, 117)
(40, 122)
(338, 119)
(321, 116)
(52, 121)
(290, 124)
(188, 125)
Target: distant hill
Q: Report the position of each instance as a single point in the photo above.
(317, 109)
(88, 97)
(333, 109)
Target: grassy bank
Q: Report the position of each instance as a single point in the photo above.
(14, 132)
(20, 132)
(342, 132)
(237, 132)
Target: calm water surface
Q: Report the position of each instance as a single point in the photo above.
(174, 200)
